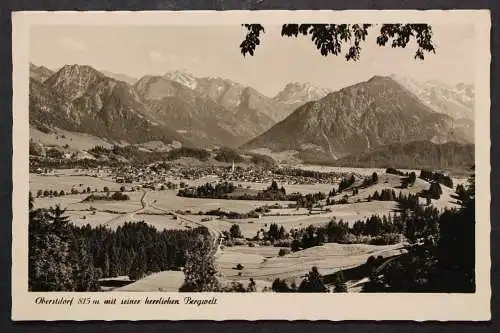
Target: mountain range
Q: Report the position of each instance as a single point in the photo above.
(315, 123)
(456, 100)
(82, 99)
(203, 111)
(40, 73)
(358, 118)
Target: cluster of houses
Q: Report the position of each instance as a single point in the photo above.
(162, 176)
(265, 176)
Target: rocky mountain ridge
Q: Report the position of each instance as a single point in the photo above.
(358, 118)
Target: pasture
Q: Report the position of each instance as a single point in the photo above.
(169, 200)
(329, 258)
(75, 140)
(67, 180)
(348, 213)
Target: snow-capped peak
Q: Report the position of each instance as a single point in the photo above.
(182, 77)
(454, 100)
(296, 92)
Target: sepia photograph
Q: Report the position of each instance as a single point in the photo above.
(221, 157)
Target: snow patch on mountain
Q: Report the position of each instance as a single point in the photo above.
(297, 92)
(182, 77)
(456, 100)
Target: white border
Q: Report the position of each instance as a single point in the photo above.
(254, 306)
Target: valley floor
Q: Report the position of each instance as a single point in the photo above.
(165, 210)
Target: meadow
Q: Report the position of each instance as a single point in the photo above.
(261, 263)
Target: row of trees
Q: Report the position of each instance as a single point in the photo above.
(370, 180)
(411, 221)
(271, 193)
(409, 180)
(384, 195)
(436, 177)
(116, 196)
(316, 175)
(396, 172)
(219, 191)
(54, 193)
(228, 155)
(346, 183)
(313, 282)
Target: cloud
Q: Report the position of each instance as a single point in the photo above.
(74, 44)
(156, 57)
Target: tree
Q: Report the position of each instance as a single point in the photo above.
(412, 178)
(340, 285)
(199, 271)
(274, 232)
(235, 231)
(435, 190)
(274, 186)
(49, 260)
(252, 286)
(57, 217)
(331, 38)
(456, 245)
(313, 283)
(280, 286)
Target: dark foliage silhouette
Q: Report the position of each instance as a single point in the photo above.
(336, 38)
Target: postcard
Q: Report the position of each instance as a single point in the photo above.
(251, 165)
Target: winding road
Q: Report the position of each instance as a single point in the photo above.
(216, 234)
(130, 215)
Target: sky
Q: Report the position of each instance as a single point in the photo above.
(214, 51)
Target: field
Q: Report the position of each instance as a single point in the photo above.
(348, 213)
(329, 258)
(170, 200)
(261, 263)
(66, 180)
(158, 203)
(78, 141)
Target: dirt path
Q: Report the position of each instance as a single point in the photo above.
(130, 215)
(216, 234)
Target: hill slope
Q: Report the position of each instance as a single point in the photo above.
(199, 120)
(81, 99)
(416, 154)
(374, 113)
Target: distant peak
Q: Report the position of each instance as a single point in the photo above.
(183, 77)
(80, 69)
(179, 71)
(381, 78)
